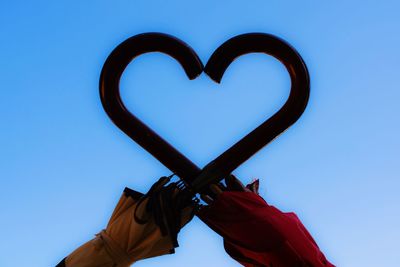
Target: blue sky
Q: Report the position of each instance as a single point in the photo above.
(63, 164)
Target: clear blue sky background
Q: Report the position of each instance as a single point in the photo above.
(63, 164)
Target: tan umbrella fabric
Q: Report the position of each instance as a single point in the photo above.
(139, 228)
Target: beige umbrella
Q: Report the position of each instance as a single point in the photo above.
(141, 226)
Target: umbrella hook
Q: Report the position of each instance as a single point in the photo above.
(285, 117)
(110, 76)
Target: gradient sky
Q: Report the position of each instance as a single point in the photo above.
(63, 164)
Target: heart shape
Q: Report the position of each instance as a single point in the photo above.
(195, 178)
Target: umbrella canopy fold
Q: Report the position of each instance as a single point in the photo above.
(258, 234)
(139, 228)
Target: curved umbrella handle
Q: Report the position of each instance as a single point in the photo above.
(110, 76)
(272, 127)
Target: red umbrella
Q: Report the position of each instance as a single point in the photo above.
(258, 234)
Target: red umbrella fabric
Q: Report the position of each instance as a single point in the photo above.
(258, 234)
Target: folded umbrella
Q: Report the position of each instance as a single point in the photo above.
(141, 226)
(258, 234)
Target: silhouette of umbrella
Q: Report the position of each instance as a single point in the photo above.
(256, 233)
(141, 226)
